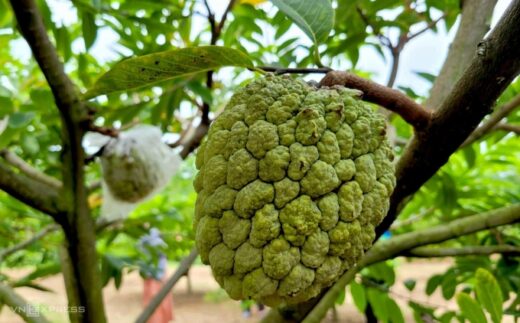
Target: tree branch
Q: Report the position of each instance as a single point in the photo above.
(29, 170)
(382, 38)
(8, 251)
(222, 22)
(198, 133)
(194, 138)
(474, 24)
(391, 99)
(428, 252)
(496, 64)
(78, 225)
(429, 26)
(383, 250)
(493, 120)
(38, 195)
(181, 271)
(508, 127)
(19, 306)
(289, 70)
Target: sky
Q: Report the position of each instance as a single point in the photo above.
(425, 53)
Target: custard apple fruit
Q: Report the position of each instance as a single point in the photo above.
(292, 182)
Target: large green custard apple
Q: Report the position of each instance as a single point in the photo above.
(292, 182)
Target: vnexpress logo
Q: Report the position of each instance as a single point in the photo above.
(29, 310)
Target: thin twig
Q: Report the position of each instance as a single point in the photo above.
(428, 252)
(414, 218)
(508, 127)
(106, 131)
(8, 251)
(181, 271)
(499, 114)
(289, 70)
(391, 99)
(429, 26)
(382, 38)
(222, 22)
(369, 283)
(29, 170)
(20, 306)
(36, 194)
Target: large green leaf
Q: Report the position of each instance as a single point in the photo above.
(152, 68)
(315, 18)
(470, 308)
(89, 28)
(379, 303)
(489, 294)
(359, 296)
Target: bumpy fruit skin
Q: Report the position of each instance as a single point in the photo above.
(292, 181)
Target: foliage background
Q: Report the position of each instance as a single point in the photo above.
(482, 176)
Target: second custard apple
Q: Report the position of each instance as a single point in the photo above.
(292, 182)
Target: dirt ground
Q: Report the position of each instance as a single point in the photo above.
(206, 305)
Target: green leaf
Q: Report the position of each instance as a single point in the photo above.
(382, 271)
(20, 119)
(410, 284)
(42, 98)
(470, 308)
(433, 283)
(315, 18)
(341, 298)
(6, 106)
(449, 285)
(394, 311)
(470, 155)
(30, 145)
(7, 136)
(489, 294)
(63, 42)
(359, 296)
(153, 68)
(89, 28)
(427, 76)
(378, 302)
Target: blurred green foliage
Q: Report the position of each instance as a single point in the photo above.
(99, 33)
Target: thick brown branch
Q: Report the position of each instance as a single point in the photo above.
(22, 245)
(29, 170)
(493, 120)
(393, 100)
(181, 271)
(78, 224)
(428, 252)
(496, 64)
(474, 24)
(41, 196)
(27, 311)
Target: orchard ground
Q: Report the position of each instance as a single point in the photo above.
(206, 304)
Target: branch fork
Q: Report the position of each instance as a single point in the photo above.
(393, 100)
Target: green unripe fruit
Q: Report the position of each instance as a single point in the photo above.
(292, 182)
